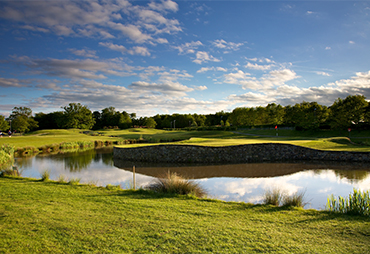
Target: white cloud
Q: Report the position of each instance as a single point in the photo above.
(222, 44)
(200, 88)
(323, 73)
(12, 82)
(352, 42)
(88, 68)
(84, 52)
(257, 66)
(205, 69)
(137, 50)
(327, 48)
(290, 94)
(94, 18)
(202, 56)
(168, 88)
(189, 47)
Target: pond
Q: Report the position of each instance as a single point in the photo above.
(232, 182)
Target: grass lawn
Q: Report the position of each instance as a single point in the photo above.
(49, 217)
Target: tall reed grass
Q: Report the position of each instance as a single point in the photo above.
(174, 184)
(357, 202)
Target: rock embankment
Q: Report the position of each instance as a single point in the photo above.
(233, 154)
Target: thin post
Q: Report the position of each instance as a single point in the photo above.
(133, 175)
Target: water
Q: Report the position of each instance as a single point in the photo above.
(235, 182)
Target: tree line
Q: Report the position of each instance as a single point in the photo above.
(351, 112)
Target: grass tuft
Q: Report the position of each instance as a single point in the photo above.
(62, 179)
(74, 181)
(296, 200)
(277, 197)
(45, 176)
(172, 183)
(273, 197)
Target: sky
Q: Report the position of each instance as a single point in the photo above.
(165, 57)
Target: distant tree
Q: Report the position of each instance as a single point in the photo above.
(351, 110)
(150, 122)
(125, 120)
(306, 115)
(77, 116)
(4, 125)
(275, 114)
(52, 120)
(22, 120)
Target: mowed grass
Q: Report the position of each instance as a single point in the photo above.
(48, 137)
(322, 140)
(49, 217)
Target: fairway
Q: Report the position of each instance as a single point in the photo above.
(316, 140)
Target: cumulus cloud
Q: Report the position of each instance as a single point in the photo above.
(322, 73)
(168, 88)
(290, 94)
(94, 18)
(12, 82)
(222, 44)
(84, 52)
(88, 68)
(205, 69)
(202, 56)
(257, 66)
(189, 47)
(137, 50)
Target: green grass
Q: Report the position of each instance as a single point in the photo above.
(50, 217)
(322, 140)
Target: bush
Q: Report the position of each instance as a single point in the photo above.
(6, 154)
(174, 184)
(357, 203)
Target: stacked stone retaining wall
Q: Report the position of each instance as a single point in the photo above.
(233, 154)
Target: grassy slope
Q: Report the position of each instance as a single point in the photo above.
(38, 217)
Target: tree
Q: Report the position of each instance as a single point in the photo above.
(49, 121)
(349, 111)
(150, 122)
(22, 120)
(4, 125)
(77, 116)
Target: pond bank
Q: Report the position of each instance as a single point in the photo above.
(233, 154)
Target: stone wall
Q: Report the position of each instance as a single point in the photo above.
(233, 154)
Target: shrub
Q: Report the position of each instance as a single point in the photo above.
(6, 154)
(174, 184)
(357, 203)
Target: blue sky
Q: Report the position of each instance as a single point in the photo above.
(164, 57)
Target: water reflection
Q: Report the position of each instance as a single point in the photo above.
(235, 182)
